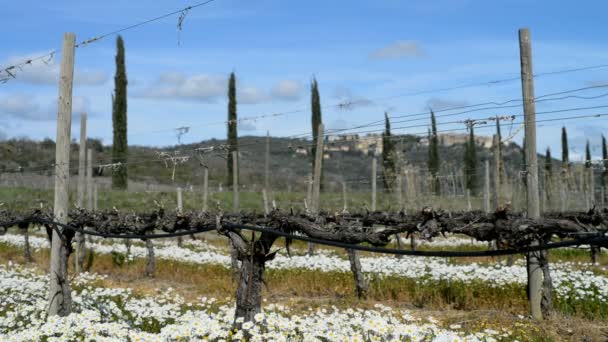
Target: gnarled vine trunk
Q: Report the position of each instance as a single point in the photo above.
(150, 262)
(249, 290)
(27, 252)
(355, 267)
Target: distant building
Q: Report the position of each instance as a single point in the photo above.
(342, 137)
(301, 151)
(449, 139)
(370, 144)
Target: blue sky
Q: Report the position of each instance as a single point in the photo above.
(373, 52)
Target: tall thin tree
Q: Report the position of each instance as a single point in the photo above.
(316, 120)
(119, 119)
(433, 159)
(605, 162)
(233, 145)
(565, 159)
(587, 155)
(548, 177)
(388, 156)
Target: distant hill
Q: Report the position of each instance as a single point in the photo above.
(289, 164)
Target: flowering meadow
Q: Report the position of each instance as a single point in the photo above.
(574, 283)
(119, 314)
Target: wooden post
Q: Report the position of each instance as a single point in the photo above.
(373, 181)
(399, 190)
(602, 199)
(265, 199)
(309, 192)
(235, 181)
(469, 208)
(205, 188)
(82, 159)
(316, 189)
(496, 189)
(316, 186)
(535, 273)
(80, 199)
(95, 197)
(89, 179)
(180, 208)
(344, 197)
(486, 188)
(267, 163)
(60, 299)
(563, 185)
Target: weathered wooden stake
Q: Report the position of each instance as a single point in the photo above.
(373, 181)
(486, 188)
(205, 188)
(316, 184)
(80, 199)
(235, 181)
(180, 209)
(344, 196)
(95, 196)
(400, 190)
(60, 298)
(535, 273)
(265, 199)
(309, 193)
(563, 185)
(89, 179)
(316, 189)
(496, 189)
(267, 163)
(180, 206)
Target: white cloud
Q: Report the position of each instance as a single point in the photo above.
(211, 88)
(177, 86)
(399, 49)
(251, 95)
(22, 107)
(436, 103)
(19, 106)
(246, 126)
(46, 72)
(287, 90)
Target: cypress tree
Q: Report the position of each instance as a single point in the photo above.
(548, 165)
(587, 155)
(565, 161)
(316, 120)
(470, 162)
(119, 119)
(605, 160)
(433, 160)
(388, 155)
(548, 175)
(232, 128)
